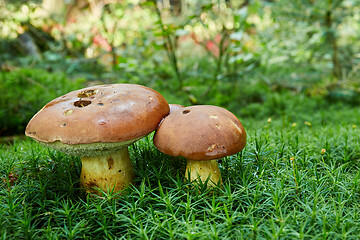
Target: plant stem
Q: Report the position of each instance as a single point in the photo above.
(170, 49)
(111, 38)
(331, 38)
(219, 63)
(294, 171)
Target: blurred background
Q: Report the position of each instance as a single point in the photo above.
(259, 59)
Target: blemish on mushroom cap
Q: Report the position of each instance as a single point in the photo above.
(68, 112)
(102, 122)
(186, 111)
(82, 103)
(100, 115)
(209, 132)
(87, 93)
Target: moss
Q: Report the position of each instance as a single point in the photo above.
(24, 91)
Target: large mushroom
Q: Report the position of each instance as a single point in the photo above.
(201, 134)
(98, 124)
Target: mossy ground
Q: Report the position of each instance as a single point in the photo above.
(294, 180)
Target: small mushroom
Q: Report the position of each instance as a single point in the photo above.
(98, 124)
(201, 134)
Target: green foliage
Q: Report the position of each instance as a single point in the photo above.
(25, 91)
(281, 186)
(248, 58)
(320, 30)
(272, 63)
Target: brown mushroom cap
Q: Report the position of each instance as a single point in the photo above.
(114, 113)
(200, 133)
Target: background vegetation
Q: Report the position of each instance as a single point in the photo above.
(288, 69)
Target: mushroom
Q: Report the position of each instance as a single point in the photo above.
(201, 134)
(98, 124)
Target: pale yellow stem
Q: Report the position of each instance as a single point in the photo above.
(202, 170)
(109, 172)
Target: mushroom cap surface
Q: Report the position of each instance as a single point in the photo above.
(200, 132)
(175, 107)
(113, 113)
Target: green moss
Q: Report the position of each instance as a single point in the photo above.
(24, 91)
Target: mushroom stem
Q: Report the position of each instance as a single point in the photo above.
(202, 170)
(107, 172)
